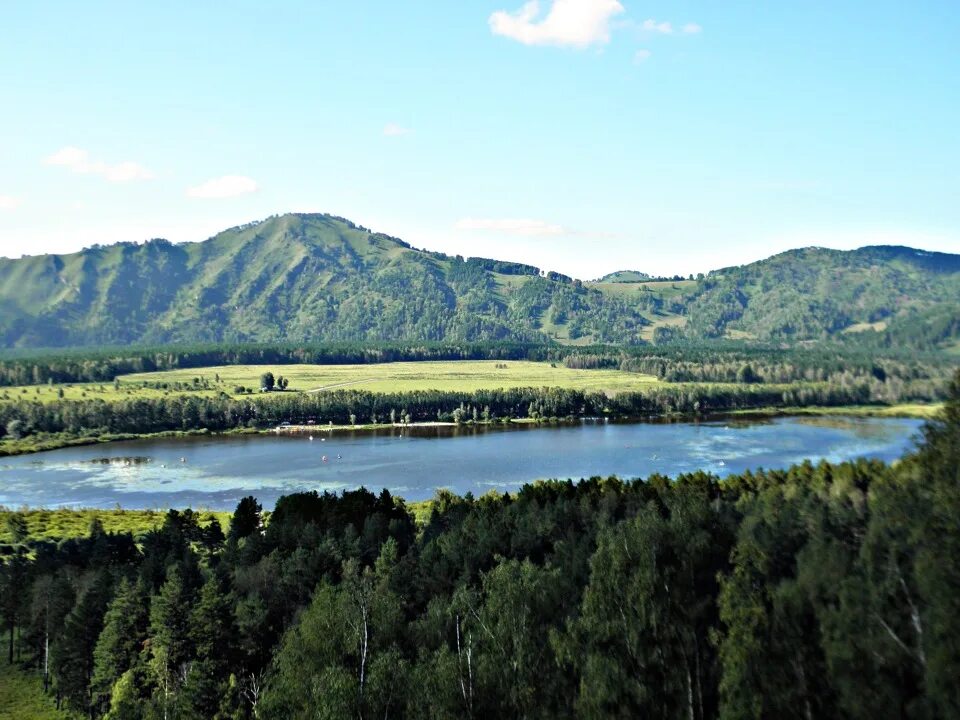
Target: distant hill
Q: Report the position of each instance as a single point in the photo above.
(319, 277)
(294, 277)
(625, 276)
(815, 293)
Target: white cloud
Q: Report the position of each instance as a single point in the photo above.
(80, 162)
(642, 56)
(394, 130)
(10, 202)
(571, 23)
(692, 29)
(664, 28)
(512, 226)
(224, 187)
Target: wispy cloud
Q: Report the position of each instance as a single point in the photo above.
(80, 162)
(394, 130)
(224, 187)
(641, 56)
(512, 226)
(567, 23)
(662, 28)
(10, 202)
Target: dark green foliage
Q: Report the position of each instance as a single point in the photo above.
(121, 640)
(72, 655)
(246, 519)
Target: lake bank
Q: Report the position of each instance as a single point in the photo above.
(46, 442)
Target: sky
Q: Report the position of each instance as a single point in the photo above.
(583, 136)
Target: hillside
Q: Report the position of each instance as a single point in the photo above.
(298, 278)
(815, 293)
(322, 278)
(625, 276)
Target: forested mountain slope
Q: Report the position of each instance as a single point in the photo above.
(318, 277)
(294, 277)
(814, 293)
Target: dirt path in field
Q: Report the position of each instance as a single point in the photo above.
(338, 385)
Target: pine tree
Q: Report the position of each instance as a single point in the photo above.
(213, 635)
(72, 654)
(171, 646)
(121, 641)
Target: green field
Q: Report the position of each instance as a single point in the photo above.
(68, 523)
(903, 410)
(21, 695)
(93, 391)
(462, 375)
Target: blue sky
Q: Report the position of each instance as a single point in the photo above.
(580, 135)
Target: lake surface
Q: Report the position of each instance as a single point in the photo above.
(215, 472)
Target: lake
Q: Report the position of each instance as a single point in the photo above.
(214, 472)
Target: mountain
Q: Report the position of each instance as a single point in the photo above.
(320, 277)
(298, 278)
(815, 293)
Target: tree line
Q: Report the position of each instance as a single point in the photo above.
(21, 418)
(30, 367)
(819, 591)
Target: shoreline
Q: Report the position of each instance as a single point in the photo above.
(918, 411)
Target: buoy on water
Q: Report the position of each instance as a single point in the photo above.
(324, 458)
(311, 438)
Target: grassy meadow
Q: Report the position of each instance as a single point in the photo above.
(460, 375)
(21, 695)
(60, 523)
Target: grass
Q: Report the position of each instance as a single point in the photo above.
(662, 288)
(462, 375)
(879, 326)
(21, 695)
(93, 391)
(903, 410)
(666, 320)
(68, 523)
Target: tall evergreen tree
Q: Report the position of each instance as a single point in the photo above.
(72, 654)
(171, 644)
(120, 643)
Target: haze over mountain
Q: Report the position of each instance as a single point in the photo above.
(317, 277)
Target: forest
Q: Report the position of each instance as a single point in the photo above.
(828, 590)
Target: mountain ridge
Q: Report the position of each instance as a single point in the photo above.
(315, 277)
